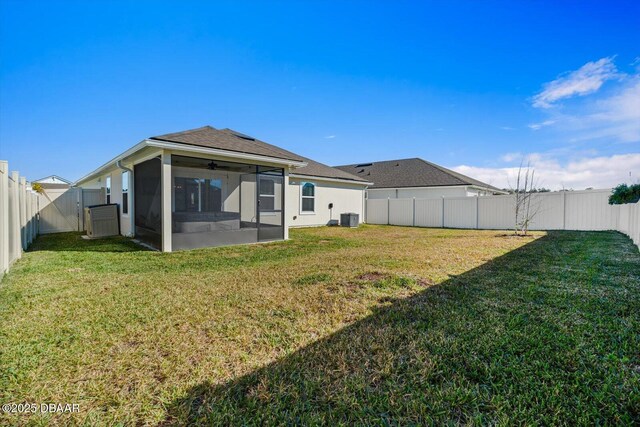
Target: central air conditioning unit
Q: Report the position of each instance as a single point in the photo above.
(102, 220)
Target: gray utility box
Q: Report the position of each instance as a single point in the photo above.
(102, 220)
(349, 219)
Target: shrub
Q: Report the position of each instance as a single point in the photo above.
(624, 193)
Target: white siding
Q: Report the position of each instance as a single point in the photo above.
(344, 196)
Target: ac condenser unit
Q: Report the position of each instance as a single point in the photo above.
(102, 220)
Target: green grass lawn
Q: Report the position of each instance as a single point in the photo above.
(376, 325)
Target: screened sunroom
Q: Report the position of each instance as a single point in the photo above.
(213, 202)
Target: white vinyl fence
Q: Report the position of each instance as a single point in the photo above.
(19, 207)
(562, 210)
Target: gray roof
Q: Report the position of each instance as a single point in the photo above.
(410, 173)
(230, 140)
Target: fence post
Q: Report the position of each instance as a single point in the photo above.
(477, 211)
(29, 210)
(15, 214)
(23, 212)
(413, 223)
(564, 209)
(4, 217)
(442, 211)
(388, 210)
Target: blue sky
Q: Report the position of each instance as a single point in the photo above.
(477, 86)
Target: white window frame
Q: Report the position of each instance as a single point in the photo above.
(107, 191)
(302, 184)
(125, 193)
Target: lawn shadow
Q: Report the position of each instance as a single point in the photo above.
(75, 242)
(482, 347)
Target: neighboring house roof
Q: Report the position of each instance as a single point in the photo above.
(52, 179)
(410, 173)
(317, 169)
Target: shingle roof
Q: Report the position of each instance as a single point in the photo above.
(409, 173)
(230, 140)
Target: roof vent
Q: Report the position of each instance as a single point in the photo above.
(397, 164)
(361, 170)
(361, 165)
(243, 136)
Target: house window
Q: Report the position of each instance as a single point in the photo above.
(108, 188)
(308, 197)
(125, 192)
(267, 194)
(197, 195)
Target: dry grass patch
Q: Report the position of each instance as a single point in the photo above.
(369, 325)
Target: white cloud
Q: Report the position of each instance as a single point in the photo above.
(329, 137)
(507, 128)
(619, 114)
(537, 126)
(597, 172)
(583, 81)
(510, 157)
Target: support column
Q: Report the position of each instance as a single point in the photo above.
(285, 211)
(165, 190)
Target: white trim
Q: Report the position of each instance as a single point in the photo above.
(466, 186)
(301, 185)
(189, 149)
(108, 183)
(320, 178)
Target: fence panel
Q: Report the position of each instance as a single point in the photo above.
(560, 210)
(401, 211)
(59, 210)
(496, 213)
(378, 211)
(547, 211)
(429, 212)
(588, 210)
(460, 212)
(18, 216)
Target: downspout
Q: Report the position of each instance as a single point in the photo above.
(129, 194)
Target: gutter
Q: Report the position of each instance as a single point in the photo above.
(321, 178)
(124, 168)
(502, 192)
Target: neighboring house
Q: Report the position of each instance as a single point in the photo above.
(53, 181)
(408, 178)
(210, 187)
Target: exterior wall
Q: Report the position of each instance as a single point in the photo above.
(344, 196)
(100, 182)
(420, 193)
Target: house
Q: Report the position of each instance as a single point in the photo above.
(209, 187)
(53, 181)
(408, 178)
